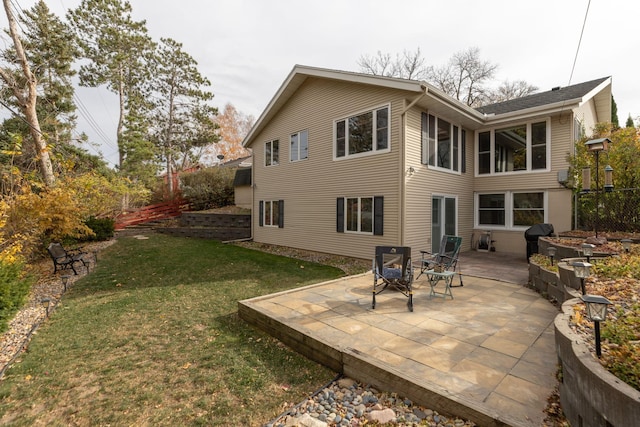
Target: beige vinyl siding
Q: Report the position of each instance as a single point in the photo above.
(310, 187)
(561, 145)
(559, 207)
(425, 182)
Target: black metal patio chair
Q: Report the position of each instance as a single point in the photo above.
(446, 259)
(392, 269)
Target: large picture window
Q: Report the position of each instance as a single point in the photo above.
(299, 146)
(517, 148)
(271, 153)
(367, 132)
(441, 142)
(510, 209)
(360, 215)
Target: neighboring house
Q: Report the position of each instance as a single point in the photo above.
(242, 189)
(343, 162)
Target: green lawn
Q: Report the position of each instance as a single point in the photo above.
(152, 337)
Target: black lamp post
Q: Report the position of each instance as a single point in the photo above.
(551, 251)
(582, 271)
(596, 146)
(596, 312)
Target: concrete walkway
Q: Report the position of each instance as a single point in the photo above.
(487, 355)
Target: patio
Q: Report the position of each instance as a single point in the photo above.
(488, 355)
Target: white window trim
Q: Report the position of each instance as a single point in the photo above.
(264, 213)
(291, 136)
(271, 141)
(346, 217)
(492, 165)
(508, 206)
(374, 150)
(426, 148)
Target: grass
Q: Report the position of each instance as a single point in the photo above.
(152, 337)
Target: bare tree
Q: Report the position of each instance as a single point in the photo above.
(510, 90)
(464, 77)
(408, 65)
(24, 86)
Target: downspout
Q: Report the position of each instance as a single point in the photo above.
(403, 163)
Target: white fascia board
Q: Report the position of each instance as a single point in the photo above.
(595, 91)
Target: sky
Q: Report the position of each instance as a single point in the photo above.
(247, 48)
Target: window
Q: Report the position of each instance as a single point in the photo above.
(271, 213)
(517, 148)
(299, 145)
(441, 142)
(360, 215)
(271, 153)
(511, 209)
(491, 209)
(528, 209)
(366, 132)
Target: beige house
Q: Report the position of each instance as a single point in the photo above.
(344, 162)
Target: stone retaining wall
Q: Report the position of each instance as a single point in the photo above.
(589, 394)
(223, 227)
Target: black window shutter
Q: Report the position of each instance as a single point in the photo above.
(261, 213)
(378, 215)
(464, 151)
(280, 213)
(340, 215)
(423, 139)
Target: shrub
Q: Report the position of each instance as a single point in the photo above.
(102, 228)
(14, 288)
(208, 188)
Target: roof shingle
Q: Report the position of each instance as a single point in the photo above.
(544, 98)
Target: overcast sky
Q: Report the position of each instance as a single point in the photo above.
(246, 48)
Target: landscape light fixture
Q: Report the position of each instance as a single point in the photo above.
(626, 244)
(46, 302)
(587, 250)
(65, 281)
(582, 270)
(596, 312)
(596, 146)
(551, 251)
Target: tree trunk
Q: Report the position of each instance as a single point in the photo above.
(28, 101)
(120, 124)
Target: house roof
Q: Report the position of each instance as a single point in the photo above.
(427, 96)
(569, 95)
(242, 177)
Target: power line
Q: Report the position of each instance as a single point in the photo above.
(575, 59)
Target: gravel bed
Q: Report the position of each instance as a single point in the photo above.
(49, 288)
(344, 402)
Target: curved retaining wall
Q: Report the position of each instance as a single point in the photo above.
(589, 394)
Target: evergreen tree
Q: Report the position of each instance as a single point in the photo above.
(21, 84)
(119, 51)
(182, 114)
(614, 113)
(630, 123)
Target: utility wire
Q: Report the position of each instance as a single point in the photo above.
(575, 59)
